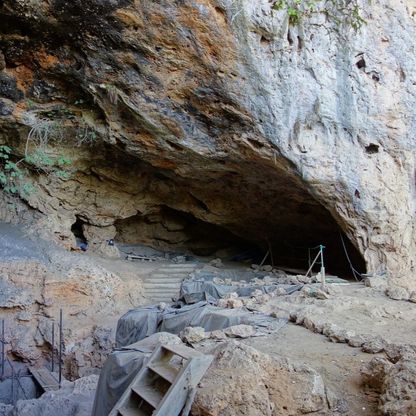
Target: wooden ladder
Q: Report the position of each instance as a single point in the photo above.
(162, 386)
(44, 378)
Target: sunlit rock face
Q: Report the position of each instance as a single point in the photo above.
(200, 121)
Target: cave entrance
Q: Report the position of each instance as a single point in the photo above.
(78, 231)
(167, 229)
(291, 247)
(341, 258)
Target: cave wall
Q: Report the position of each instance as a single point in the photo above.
(222, 110)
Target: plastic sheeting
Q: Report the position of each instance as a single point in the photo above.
(120, 369)
(218, 291)
(141, 322)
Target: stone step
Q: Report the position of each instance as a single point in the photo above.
(176, 269)
(165, 296)
(159, 275)
(181, 265)
(167, 280)
(161, 286)
(176, 280)
(165, 283)
(160, 291)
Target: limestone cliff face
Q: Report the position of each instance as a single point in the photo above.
(181, 115)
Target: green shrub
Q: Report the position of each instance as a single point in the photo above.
(338, 11)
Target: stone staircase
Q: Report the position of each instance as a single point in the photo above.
(165, 283)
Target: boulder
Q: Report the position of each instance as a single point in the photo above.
(73, 399)
(253, 384)
(376, 282)
(240, 331)
(193, 335)
(374, 346)
(396, 384)
(398, 293)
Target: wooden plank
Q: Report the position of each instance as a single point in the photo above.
(182, 351)
(190, 375)
(141, 258)
(149, 393)
(164, 370)
(124, 411)
(44, 378)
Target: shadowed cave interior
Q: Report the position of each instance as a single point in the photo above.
(173, 230)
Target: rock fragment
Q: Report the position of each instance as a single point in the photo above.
(240, 331)
(398, 293)
(193, 335)
(374, 346)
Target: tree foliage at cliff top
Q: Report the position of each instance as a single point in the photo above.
(346, 12)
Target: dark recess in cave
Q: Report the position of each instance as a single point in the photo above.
(172, 230)
(298, 254)
(78, 232)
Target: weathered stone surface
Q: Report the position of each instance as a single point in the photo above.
(217, 335)
(374, 346)
(357, 341)
(376, 282)
(240, 331)
(36, 286)
(399, 396)
(375, 372)
(193, 335)
(253, 383)
(398, 293)
(208, 111)
(396, 384)
(74, 399)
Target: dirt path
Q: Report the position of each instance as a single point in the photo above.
(338, 364)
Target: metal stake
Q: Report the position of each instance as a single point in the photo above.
(60, 347)
(2, 349)
(264, 258)
(323, 282)
(53, 347)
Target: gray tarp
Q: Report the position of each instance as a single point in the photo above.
(141, 322)
(137, 324)
(120, 369)
(219, 291)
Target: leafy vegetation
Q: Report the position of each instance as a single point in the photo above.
(338, 11)
(10, 173)
(14, 175)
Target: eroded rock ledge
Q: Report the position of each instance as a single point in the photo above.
(182, 118)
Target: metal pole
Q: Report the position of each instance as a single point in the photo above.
(60, 347)
(13, 402)
(19, 384)
(2, 349)
(313, 263)
(264, 258)
(271, 253)
(53, 346)
(323, 282)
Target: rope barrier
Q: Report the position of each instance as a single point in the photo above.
(315, 261)
(354, 271)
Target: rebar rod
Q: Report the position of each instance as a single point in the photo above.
(53, 347)
(323, 279)
(60, 347)
(2, 349)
